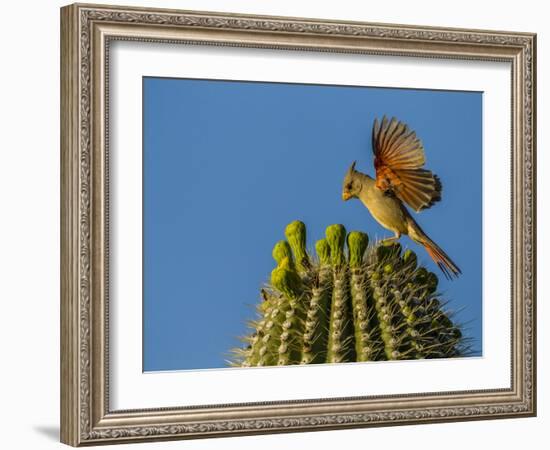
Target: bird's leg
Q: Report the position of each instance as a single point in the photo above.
(396, 236)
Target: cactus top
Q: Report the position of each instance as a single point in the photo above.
(323, 251)
(295, 233)
(282, 250)
(357, 245)
(336, 237)
(286, 280)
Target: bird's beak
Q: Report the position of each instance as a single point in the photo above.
(346, 196)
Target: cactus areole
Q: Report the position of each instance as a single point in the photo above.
(348, 302)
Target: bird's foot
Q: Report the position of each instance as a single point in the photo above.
(390, 240)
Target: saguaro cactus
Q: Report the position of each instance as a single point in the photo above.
(350, 301)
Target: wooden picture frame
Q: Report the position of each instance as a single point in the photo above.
(87, 31)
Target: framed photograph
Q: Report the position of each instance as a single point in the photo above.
(276, 224)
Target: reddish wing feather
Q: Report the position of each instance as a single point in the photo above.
(398, 160)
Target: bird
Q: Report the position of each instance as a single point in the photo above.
(400, 180)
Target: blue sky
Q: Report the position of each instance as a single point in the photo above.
(228, 164)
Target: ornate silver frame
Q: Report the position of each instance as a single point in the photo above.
(86, 31)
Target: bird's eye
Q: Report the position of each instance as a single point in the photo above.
(348, 186)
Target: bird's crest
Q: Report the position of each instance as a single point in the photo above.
(351, 168)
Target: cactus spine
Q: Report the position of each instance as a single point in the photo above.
(348, 302)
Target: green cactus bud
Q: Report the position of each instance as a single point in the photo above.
(286, 280)
(421, 276)
(323, 252)
(336, 236)
(282, 250)
(409, 257)
(357, 245)
(295, 233)
(432, 281)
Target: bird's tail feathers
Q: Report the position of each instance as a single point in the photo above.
(443, 261)
(446, 264)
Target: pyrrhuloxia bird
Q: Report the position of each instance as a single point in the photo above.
(398, 160)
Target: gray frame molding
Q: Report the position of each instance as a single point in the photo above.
(86, 31)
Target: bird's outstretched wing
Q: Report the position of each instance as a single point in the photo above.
(398, 160)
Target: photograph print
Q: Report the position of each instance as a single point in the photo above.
(288, 224)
